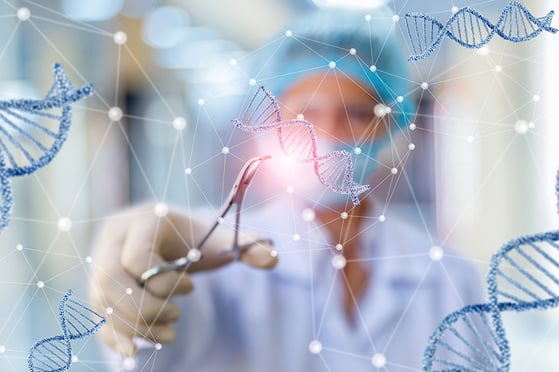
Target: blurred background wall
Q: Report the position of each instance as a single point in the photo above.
(483, 171)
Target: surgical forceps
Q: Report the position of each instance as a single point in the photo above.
(236, 196)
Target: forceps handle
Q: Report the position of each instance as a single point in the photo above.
(182, 263)
(178, 264)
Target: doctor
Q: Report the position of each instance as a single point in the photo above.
(354, 289)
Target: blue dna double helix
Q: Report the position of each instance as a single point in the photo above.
(54, 354)
(298, 141)
(32, 132)
(523, 275)
(470, 29)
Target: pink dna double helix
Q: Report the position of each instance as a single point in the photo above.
(298, 141)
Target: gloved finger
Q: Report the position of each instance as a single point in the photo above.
(127, 298)
(169, 284)
(158, 332)
(140, 252)
(218, 251)
(119, 342)
(123, 342)
(260, 254)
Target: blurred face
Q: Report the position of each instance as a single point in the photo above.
(343, 115)
(339, 108)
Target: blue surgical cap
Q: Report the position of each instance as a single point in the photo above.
(360, 44)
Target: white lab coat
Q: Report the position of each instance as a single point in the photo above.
(241, 319)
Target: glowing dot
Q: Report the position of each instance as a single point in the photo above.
(373, 68)
(220, 220)
(498, 68)
(290, 189)
(120, 37)
(252, 82)
(115, 113)
(128, 291)
(315, 346)
(194, 255)
(353, 51)
(531, 125)
(338, 262)
(436, 253)
(128, 363)
(88, 259)
(411, 146)
(233, 62)
(399, 99)
(394, 170)
(339, 247)
(536, 98)
(288, 33)
(521, 127)
(296, 237)
(395, 18)
(357, 150)
(273, 253)
(387, 110)
(157, 346)
(424, 85)
(300, 117)
(412, 126)
(378, 360)
(179, 123)
(75, 358)
(160, 209)
(380, 110)
(454, 9)
(19, 247)
(225, 150)
(201, 102)
(40, 284)
(344, 215)
(188, 171)
(64, 224)
(382, 218)
(332, 64)
(308, 215)
(23, 14)
(470, 139)
(368, 17)
(484, 50)
(109, 310)
(2, 349)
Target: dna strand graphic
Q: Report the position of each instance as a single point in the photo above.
(298, 141)
(470, 29)
(32, 132)
(54, 354)
(523, 275)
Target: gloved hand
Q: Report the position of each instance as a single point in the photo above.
(136, 240)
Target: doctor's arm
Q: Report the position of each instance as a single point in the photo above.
(137, 240)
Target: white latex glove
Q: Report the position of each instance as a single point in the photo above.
(136, 240)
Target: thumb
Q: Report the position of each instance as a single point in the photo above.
(259, 254)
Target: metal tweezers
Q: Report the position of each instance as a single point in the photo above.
(235, 197)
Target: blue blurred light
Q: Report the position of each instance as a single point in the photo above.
(98, 10)
(355, 4)
(165, 27)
